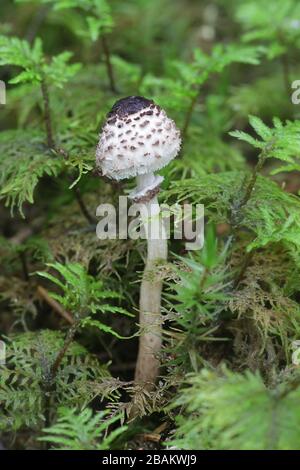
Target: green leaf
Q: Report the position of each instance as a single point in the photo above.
(89, 322)
(260, 419)
(83, 295)
(246, 138)
(282, 141)
(24, 160)
(81, 430)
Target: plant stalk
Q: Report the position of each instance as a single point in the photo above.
(235, 218)
(108, 63)
(47, 114)
(286, 74)
(252, 181)
(189, 114)
(83, 207)
(69, 339)
(150, 320)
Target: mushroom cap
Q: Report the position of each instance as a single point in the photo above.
(137, 138)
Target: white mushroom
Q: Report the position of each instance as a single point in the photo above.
(138, 139)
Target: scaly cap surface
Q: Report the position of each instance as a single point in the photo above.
(137, 138)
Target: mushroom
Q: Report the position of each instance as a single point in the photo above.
(138, 139)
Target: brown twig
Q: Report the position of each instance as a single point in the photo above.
(236, 209)
(55, 305)
(62, 352)
(252, 181)
(189, 114)
(23, 260)
(21, 236)
(26, 231)
(243, 269)
(235, 216)
(37, 22)
(83, 208)
(286, 74)
(79, 198)
(108, 63)
(47, 113)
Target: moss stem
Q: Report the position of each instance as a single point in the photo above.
(47, 114)
(189, 114)
(109, 68)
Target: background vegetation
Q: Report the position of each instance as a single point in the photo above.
(68, 304)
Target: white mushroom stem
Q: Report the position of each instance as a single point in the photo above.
(150, 319)
(145, 181)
